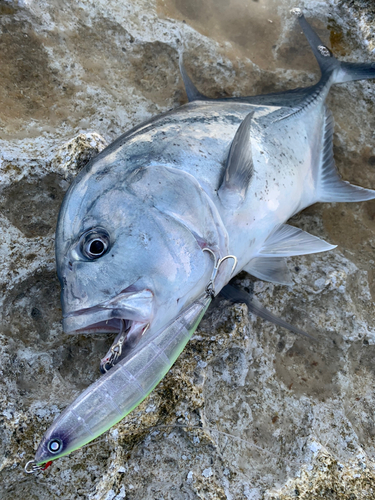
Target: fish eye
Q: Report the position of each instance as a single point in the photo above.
(96, 247)
(55, 445)
(95, 243)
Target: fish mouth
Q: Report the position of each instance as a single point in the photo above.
(129, 315)
(106, 317)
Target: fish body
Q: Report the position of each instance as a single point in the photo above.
(175, 166)
(143, 223)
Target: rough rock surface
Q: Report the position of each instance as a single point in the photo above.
(249, 411)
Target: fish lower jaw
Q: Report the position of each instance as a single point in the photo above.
(100, 320)
(107, 326)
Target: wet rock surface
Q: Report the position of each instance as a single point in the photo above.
(249, 410)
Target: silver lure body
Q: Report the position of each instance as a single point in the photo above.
(222, 176)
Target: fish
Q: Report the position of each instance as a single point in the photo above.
(161, 220)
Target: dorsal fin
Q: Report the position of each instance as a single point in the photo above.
(239, 167)
(192, 92)
(286, 241)
(330, 186)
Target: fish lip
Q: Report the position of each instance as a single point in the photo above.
(106, 317)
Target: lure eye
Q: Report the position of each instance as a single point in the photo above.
(95, 243)
(55, 445)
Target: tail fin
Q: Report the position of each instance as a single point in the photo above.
(329, 65)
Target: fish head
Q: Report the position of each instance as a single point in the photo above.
(129, 248)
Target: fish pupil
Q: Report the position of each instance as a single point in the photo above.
(96, 247)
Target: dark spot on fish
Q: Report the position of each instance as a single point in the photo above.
(297, 269)
(371, 161)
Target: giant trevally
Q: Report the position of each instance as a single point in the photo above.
(154, 226)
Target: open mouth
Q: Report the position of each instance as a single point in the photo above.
(129, 333)
(128, 314)
(109, 326)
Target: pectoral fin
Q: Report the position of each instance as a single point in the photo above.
(286, 241)
(239, 167)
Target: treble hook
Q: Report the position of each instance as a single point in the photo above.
(210, 288)
(115, 351)
(36, 468)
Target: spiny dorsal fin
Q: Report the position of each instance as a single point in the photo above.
(330, 186)
(286, 241)
(272, 269)
(191, 90)
(239, 168)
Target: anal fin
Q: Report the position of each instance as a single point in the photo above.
(285, 241)
(330, 186)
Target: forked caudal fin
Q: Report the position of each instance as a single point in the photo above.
(330, 187)
(341, 71)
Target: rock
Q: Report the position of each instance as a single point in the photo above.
(249, 410)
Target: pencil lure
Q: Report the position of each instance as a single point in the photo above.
(121, 389)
